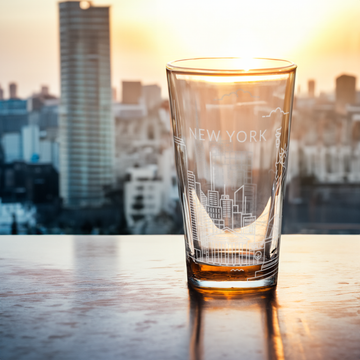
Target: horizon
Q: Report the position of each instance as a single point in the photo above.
(323, 42)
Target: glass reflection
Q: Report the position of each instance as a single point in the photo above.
(234, 325)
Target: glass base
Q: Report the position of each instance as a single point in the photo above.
(233, 285)
(205, 276)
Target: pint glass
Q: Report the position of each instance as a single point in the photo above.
(231, 125)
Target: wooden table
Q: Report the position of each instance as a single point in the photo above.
(126, 297)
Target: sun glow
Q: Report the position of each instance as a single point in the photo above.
(246, 63)
(322, 39)
(232, 79)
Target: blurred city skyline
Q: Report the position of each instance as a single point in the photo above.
(112, 156)
(322, 38)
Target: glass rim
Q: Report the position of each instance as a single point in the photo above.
(174, 66)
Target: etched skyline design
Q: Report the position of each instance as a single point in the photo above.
(224, 211)
(224, 227)
(219, 216)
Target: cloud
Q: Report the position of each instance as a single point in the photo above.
(274, 111)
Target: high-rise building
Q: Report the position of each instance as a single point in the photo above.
(13, 91)
(86, 120)
(227, 210)
(13, 115)
(131, 92)
(345, 92)
(1, 93)
(44, 90)
(192, 199)
(311, 88)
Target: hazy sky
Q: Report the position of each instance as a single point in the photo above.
(321, 36)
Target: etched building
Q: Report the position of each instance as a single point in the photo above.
(85, 114)
(227, 206)
(192, 199)
(245, 198)
(214, 213)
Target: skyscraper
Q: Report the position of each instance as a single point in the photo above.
(311, 88)
(345, 92)
(86, 120)
(12, 91)
(192, 195)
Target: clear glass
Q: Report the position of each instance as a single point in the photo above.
(231, 124)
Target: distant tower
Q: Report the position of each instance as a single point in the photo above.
(114, 95)
(13, 91)
(44, 90)
(131, 92)
(345, 92)
(311, 88)
(86, 120)
(151, 95)
(1, 93)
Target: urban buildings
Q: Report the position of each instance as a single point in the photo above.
(29, 130)
(29, 159)
(92, 129)
(16, 214)
(144, 159)
(324, 136)
(29, 166)
(85, 116)
(142, 194)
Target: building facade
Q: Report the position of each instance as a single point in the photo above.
(13, 115)
(345, 92)
(85, 114)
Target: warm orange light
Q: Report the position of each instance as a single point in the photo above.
(246, 63)
(232, 79)
(85, 5)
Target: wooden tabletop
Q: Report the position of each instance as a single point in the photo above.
(126, 297)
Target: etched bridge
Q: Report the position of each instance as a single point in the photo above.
(225, 228)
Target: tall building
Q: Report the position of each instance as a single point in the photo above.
(227, 207)
(85, 114)
(345, 92)
(131, 92)
(12, 91)
(311, 88)
(44, 90)
(192, 199)
(1, 93)
(13, 115)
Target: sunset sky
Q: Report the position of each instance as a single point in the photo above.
(321, 36)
